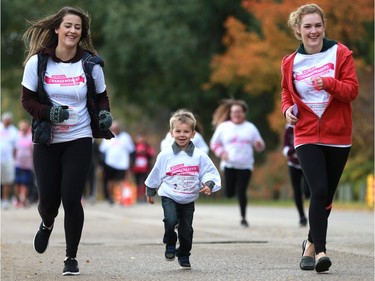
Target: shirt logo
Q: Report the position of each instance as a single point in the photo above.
(182, 169)
(64, 81)
(315, 71)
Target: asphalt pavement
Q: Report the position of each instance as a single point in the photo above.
(125, 243)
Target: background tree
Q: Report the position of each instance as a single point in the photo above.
(159, 54)
(156, 53)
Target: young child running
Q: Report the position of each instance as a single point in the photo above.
(180, 173)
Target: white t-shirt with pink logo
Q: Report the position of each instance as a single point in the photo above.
(180, 176)
(65, 83)
(237, 140)
(117, 151)
(305, 69)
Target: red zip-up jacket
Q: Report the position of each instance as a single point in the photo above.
(334, 127)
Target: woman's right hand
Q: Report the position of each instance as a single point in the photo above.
(290, 118)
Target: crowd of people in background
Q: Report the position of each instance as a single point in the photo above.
(113, 161)
(18, 187)
(130, 157)
(125, 157)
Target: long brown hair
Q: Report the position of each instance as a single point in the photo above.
(41, 34)
(222, 112)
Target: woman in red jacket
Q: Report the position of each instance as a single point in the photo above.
(319, 82)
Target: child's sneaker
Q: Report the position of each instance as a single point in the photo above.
(170, 252)
(70, 267)
(184, 262)
(41, 238)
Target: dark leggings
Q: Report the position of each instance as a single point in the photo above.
(61, 170)
(299, 184)
(322, 167)
(236, 181)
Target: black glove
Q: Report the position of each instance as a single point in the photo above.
(105, 120)
(58, 114)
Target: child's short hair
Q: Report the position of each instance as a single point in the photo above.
(183, 116)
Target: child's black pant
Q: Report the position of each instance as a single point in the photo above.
(181, 214)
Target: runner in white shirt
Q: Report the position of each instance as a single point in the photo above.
(233, 142)
(180, 173)
(8, 139)
(117, 152)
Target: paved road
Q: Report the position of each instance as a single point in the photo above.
(124, 243)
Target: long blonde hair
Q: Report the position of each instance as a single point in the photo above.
(41, 34)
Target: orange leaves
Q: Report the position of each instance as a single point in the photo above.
(243, 62)
(269, 9)
(345, 19)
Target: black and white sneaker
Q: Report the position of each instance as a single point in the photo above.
(70, 267)
(170, 252)
(41, 238)
(184, 262)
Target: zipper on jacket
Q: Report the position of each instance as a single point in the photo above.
(319, 130)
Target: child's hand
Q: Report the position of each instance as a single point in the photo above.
(205, 189)
(150, 199)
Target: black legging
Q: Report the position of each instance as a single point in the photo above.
(298, 184)
(322, 167)
(236, 181)
(61, 171)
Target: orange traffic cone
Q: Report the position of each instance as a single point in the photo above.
(129, 194)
